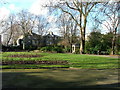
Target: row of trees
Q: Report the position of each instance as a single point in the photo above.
(73, 19)
(20, 24)
(80, 12)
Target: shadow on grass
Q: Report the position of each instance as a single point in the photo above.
(28, 80)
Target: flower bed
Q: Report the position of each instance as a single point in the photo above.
(35, 62)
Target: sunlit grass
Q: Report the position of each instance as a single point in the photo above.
(74, 60)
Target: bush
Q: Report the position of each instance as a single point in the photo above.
(46, 49)
(67, 49)
(57, 49)
(30, 47)
(11, 48)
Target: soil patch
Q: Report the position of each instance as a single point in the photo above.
(25, 56)
(54, 68)
(35, 62)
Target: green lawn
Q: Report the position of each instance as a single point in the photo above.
(74, 60)
(84, 71)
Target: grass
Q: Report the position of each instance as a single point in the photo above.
(74, 60)
(86, 72)
(62, 78)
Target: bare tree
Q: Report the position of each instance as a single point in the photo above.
(10, 30)
(26, 22)
(68, 29)
(82, 10)
(41, 25)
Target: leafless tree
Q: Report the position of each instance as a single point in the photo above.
(41, 25)
(82, 10)
(26, 22)
(68, 29)
(10, 30)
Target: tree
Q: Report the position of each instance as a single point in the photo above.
(68, 30)
(79, 12)
(10, 30)
(41, 25)
(26, 22)
(110, 20)
(106, 42)
(94, 43)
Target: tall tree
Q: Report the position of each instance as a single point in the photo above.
(110, 11)
(82, 10)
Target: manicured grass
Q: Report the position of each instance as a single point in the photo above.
(74, 60)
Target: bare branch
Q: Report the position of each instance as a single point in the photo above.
(71, 7)
(68, 13)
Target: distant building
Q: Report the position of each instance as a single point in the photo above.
(33, 39)
(50, 39)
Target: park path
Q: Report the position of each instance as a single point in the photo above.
(112, 56)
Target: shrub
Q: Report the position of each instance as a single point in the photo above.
(57, 49)
(30, 47)
(67, 49)
(45, 49)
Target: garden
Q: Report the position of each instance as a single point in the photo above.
(70, 45)
(58, 70)
(32, 60)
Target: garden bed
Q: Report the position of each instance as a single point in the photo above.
(50, 60)
(25, 56)
(34, 62)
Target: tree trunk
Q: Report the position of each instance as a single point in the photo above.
(24, 42)
(113, 42)
(82, 39)
(8, 41)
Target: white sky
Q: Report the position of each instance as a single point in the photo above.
(4, 13)
(37, 7)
